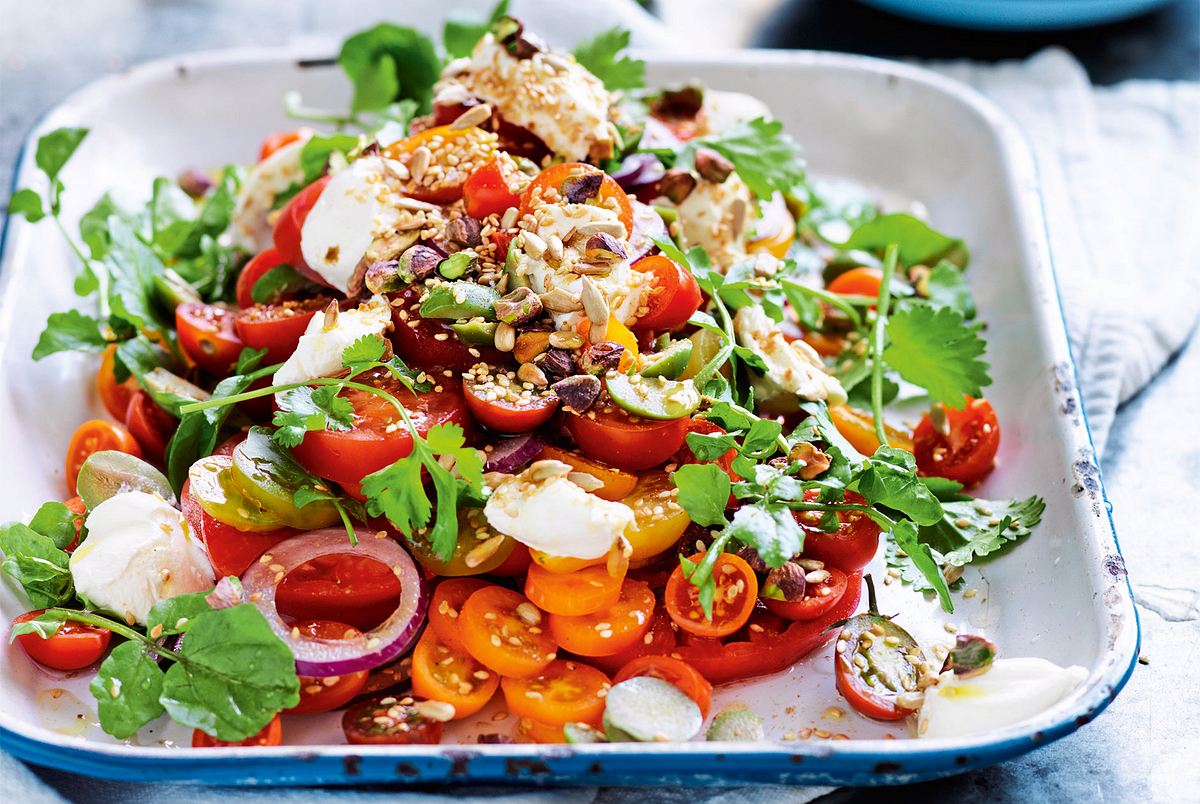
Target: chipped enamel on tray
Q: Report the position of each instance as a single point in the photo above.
(1061, 594)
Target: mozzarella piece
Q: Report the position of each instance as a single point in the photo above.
(1008, 692)
(139, 550)
(358, 205)
(716, 216)
(724, 110)
(544, 510)
(252, 219)
(319, 352)
(792, 367)
(549, 94)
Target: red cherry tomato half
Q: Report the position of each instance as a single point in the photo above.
(611, 435)
(291, 222)
(965, 450)
(674, 296)
(73, 647)
(429, 343)
(374, 722)
(488, 191)
(819, 598)
(552, 178)
(207, 335)
(851, 547)
(505, 409)
(277, 327)
(272, 734)
(231, 551)
(332, 692)
(276, 140)
(861, 281)
(150, 425)
(254, 271)
(345, 588)
(673, 671)
(733, 600)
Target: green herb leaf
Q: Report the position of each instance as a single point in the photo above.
(215, 214)
(601, 56)
(945, 287)
(765, 157)
(132, 265)
(388, 63)
(55, 149)
(396, 491)
(977, 528)
(770, 529)
(176, 614)
(461, 33)
(68, 332)
(35, 562)
(889, 478)
(937, 350)
(276, 283)
(172, 214)
(904, 534)
(28, 203)
(127, 689)
(917, 241)
(708, 447)
(307, 408)
(56, 522)
(703, 492)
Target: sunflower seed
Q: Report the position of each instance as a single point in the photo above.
(596, 309)
(532, 374)
(397, 169)
(534, 246)
(471, 117)
(505, 338)
(418, 163)
(560, 301)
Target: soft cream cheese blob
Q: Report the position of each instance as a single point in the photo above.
(251, 227)
(319, 351)
(139, 550)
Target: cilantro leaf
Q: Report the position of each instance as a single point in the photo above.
(944, 287)
(977, 528)
(396, 491)
(127, 689)
(461, 33)
(703, 492)
(307, 408)
(37, 563)
(388, 63)
(770, 529)
(766, 158)
(916, 240)
(937, 350)
(28, 203)
(363, 353)
(70, 331)
(601, 57)
(905, 535)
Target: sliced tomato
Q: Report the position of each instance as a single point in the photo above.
(453, 155)
(254, 271)
(517, 563)
(552, 178)
(618, 484)
(851, 547)
(277, 327)
(290, 224)
(732, 604)
(379, 437)
(673, 671)
(611, 435)
(659, 519)
(446, 605)
(966, 451)
(430, 343)
(508, 409)
(490, 189)
(207, 335)
(610, 630)
(278, 139)
(94, 436)
(773, 644)
(862, 281)
(345, 587)
(583, 591)
(331, 692)
(115, 395)
(674, 296)
(819, 598)
(386, 721)
(271, 734)
(450, 674)
(505, 632)
(562, 692)
(660, 640)
(150, 425)
(231, 551)
(73, 647)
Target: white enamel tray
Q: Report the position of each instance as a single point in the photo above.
(1061, 595)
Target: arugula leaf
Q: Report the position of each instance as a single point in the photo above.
(904, 534)
(770, 529)
(70, 331)
(703, 491)
(171, 215)
(461, 33)
(708, 447)
(28, 203)
(307, 408)
(37, 563)
(601, 57)
(93, 228)
(765, 157)
(215, 214)
(937, 350)
(276, 282)
(388, 63)
(132, 265)
(917, 241)
(127, 688)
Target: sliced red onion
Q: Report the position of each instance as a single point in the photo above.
(321, 658)
(510, 455)
(638, 170)
(647, 225)
(657, 134)
(774, 219)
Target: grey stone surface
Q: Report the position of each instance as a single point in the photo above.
(1145, 747)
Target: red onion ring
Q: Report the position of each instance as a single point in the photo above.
(321, 658)
(513, 454)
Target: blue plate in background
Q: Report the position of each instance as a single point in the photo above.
(1017, 15)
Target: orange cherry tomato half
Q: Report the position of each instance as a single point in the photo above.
(94, 436)
(276, 140)
(858, 428)
(966, 451)
(533, 731)
(455, 151)
(851, 547)
(489, 190)
(73, 647)
(861, 281)
(272, 734)
(508, 409)
(673, 671)
(207, 335)
(505, 632)
(659, 519)
(583, 591)
(254, 271)
(331, 692)
(733, 600)
(277, 327)
(446, 605)
(618, 484)
(660, 640)
(552, 178)
(150, 425)
(450, 675)
(562, 692)
(675, 295)
(115, 395)
(290, 223)
(819, 598)
(610, 630)
(611, 435)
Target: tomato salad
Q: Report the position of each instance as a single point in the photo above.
(525, 384)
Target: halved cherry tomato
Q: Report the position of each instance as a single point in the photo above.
(345, 587)
(618, 484)
(819, 598)
(552, 178)
(517, 563)
(583, 591)
(451, 675)
(826, 344)
(276, 140)
(851, 547)
(858, 427)
(609, 630)
(564, 692)
(291, 222)
(271, 734)
(430, 343)
(73, 647)
(862, 281)
(533, 731)
(658, 641)
(490, 189)
(76, 506)
(231, 551)
(872, 665)
(659, 519)
(453, 151)
(379, 437)
(94, 436)
(207, 335)
(277, 327)
(562, 565)
(150, 425)
(776, 647)
(494, 631)
(331, 692)
(446, 605)
(673, 671)
(611, 435)
(113, 394)
(374, 722)
(674, 296)
(733, 601)
(967, 452)
(253, 271)
(496, 408)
